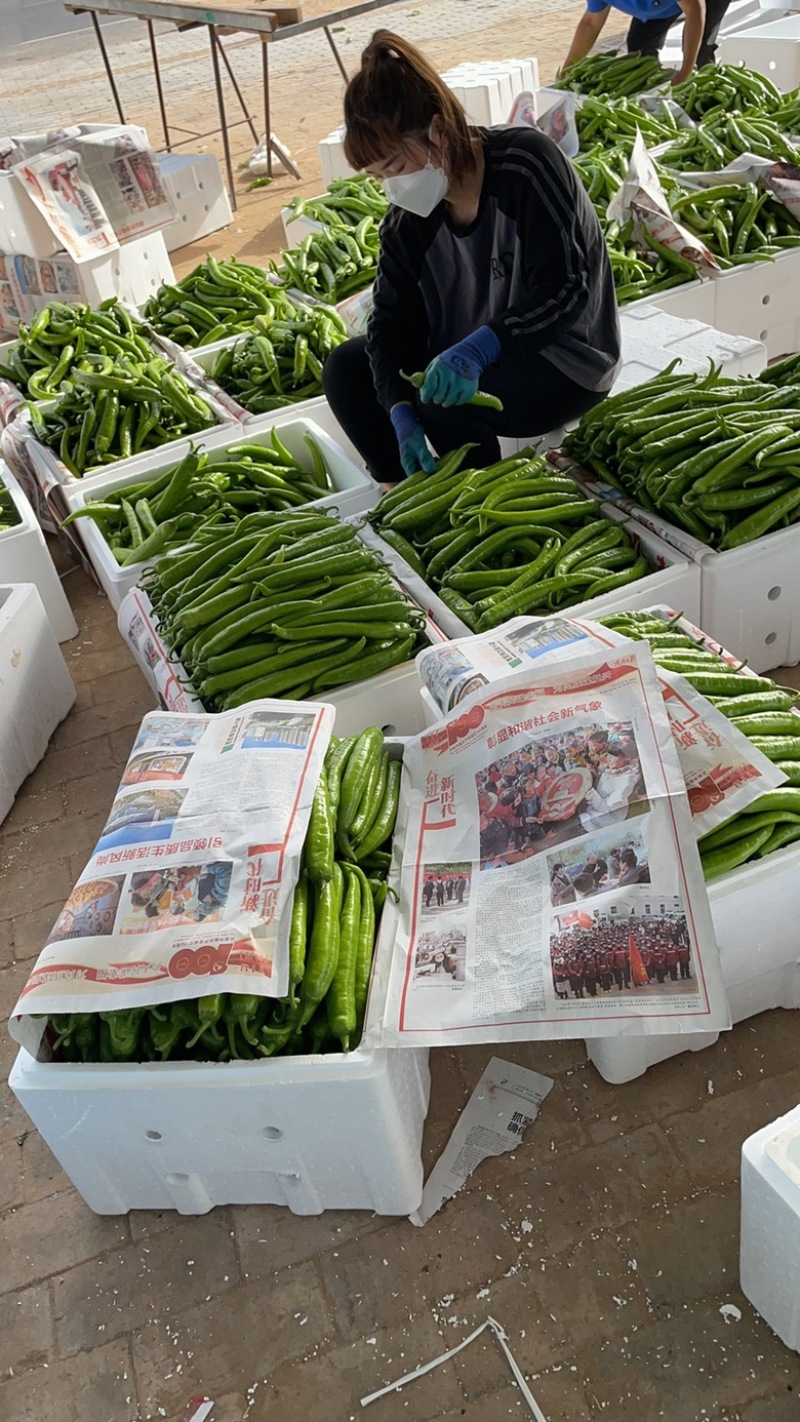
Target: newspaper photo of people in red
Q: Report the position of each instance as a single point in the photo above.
(641, 949)
(557, 788)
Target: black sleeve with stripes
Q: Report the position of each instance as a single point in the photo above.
(562, 230)
(397, 335)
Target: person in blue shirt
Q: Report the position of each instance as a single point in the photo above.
(650, 22)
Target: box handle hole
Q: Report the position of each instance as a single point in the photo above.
(153, 1135)
(774, 594)
(389, 729)
(765, 300)
(272, 1133)
(176, 1178)
(770, 638)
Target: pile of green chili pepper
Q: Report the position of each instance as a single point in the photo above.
(515, 538)
(782, 372)
(339, 895)
(63, 337)
(760, 709)
(9, 518)
(334, 263)
(294, 604)
(726, 86)
(612, 74)
(719, 457)
(614, 123)
(205, 495)
(215, 299)
(347, 201)
(737, 222)
(114, 407)
(723, 136)
(282, 363)
(787, 114)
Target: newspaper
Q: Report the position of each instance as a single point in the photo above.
(189, 888)
(540, 897)
(166, 676)
(641, 199)
(781, 180)
(101, 189)
(722, 770)
(504, 1103)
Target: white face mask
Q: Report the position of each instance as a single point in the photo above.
(418, 192)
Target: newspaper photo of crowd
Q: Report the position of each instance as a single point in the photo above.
(445, 886)
(594, 955)
(594, 866)
(441, 957)
(556, 788)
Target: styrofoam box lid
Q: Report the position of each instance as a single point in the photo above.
(786, 29)
(694, 339)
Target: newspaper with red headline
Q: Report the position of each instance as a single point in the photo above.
(189, 888)
(551, 884)
(722, 770)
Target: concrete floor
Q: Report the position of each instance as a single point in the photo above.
(605, 1245)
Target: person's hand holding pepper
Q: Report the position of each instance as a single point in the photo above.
(452, 377)
(414, 451)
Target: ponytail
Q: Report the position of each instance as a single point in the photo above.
(393, 98)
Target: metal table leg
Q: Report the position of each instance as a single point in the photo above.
(237, 90)
(107, 64)
(267, 115)
(212, 31)
(336, 54)
(159, 88)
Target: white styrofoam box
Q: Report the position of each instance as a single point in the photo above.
(198, 365)
(37, 687)
(296, 228)
(482, 101)
(132, 273)
(755, 912)
(194, 183)
(357, 706)
(24, 558)
(331, 157)
(674, 581)
(769, 1246)
(547, 97)
(753, 299)
(22, 227)
(692, 301)
(354, 491)
(321, 413)
(310, 1132)
(50, 470)
(692, 340)
(772, 49)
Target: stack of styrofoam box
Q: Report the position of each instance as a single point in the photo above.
(773, 49)
(762, 299)
(37, 688)
(132, 273)
(769, 1256)
(755, 910)
(331, 157)
(488, 89)
(24, 558)
(353, 490)
(672, 580)
(194, 183)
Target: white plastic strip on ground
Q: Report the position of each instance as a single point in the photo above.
(500, 1334)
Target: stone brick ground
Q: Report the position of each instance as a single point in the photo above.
(605, 1245)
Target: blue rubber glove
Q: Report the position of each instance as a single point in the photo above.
(452, 377)
(414, 452)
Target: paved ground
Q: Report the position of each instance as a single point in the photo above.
(606, 1245)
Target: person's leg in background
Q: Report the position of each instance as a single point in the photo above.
(350, 391)
(647, 36)
(715, 14)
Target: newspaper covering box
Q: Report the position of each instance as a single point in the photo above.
(193, 183)
(37, 687)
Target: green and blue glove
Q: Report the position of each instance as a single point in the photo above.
(452, 377)
(414, 451)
